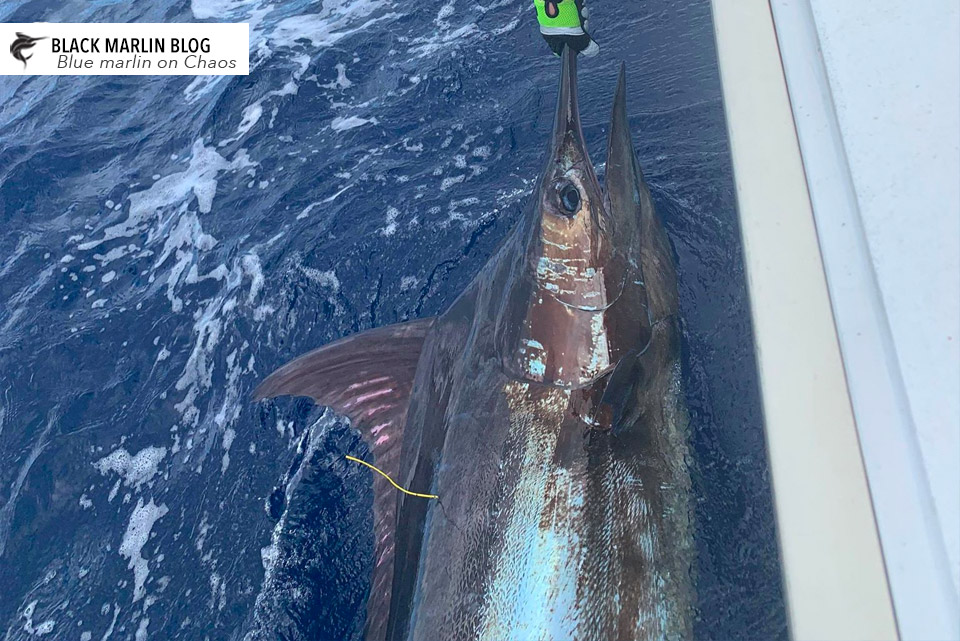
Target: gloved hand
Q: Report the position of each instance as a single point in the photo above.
(564, 22)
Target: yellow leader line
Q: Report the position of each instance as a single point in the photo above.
(386, 476)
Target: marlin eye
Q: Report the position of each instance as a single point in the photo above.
(569, 197)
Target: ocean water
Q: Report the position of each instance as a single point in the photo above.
(166, 242)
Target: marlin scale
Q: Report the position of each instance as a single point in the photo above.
(545, 409)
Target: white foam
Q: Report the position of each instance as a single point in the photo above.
(203, 9)
(141, 634)
(268, 555)
(199, 86)
(204, 529)
(445, 12)
(447, 183)
(45, 628)
(115, 253)
(198, 371)
(251, 267)
(198, 180)
(230, 407)
(325, 278)
(510, 26)
(133, 470)
(306, 211)
(228, 435)
(330, 199)
(342, 82)
(250, 116)
(138, 531)
(336, 20)
(208, 325)
(252, 113)
(113, 623)
(40, 630)
(218, 589)
(341, 123)
(186, 236)
(391, 227)
(114, 490)
(429, 45)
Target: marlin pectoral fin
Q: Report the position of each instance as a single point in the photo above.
(368, 377)
(619, 400)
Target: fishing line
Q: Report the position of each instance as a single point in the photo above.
(392, 482)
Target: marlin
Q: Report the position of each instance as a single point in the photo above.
(22, 42)
(544, 408)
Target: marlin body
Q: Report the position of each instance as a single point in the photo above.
(545, 409)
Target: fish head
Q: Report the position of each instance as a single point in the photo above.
(575, 302)
(583, 243)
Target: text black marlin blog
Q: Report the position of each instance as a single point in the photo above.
(130, 45)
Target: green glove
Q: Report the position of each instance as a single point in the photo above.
(564, 22)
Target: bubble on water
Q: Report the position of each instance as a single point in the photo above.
(141, 523)
(133, 470)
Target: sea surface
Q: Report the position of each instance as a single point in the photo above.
(166, 242)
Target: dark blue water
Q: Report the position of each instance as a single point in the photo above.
(166, 242)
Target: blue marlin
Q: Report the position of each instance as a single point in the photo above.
(544, 408)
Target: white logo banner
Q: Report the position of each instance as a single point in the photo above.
(125, 49)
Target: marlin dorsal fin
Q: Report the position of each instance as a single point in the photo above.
(367, 377)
